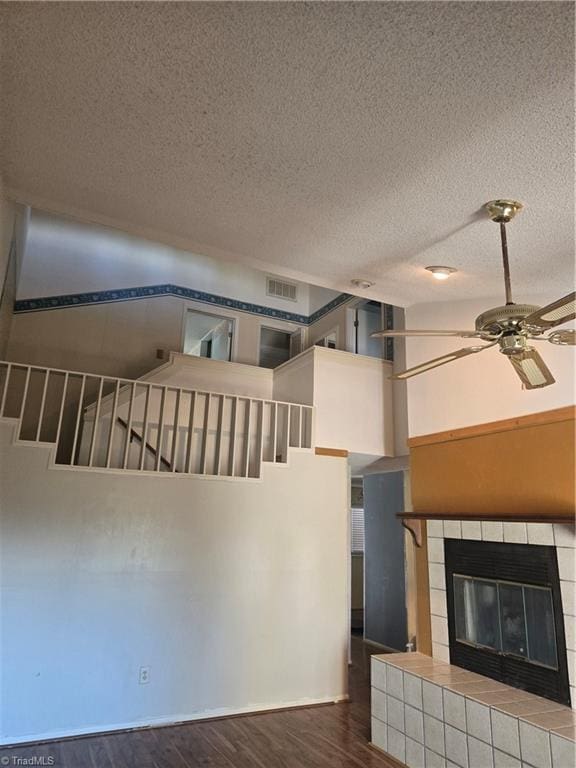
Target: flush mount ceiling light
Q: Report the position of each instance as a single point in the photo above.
(441, 273)
(357, 282)
(512, 327)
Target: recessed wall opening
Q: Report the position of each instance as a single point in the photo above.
(207, 335)
(276, 346)
(505, 616)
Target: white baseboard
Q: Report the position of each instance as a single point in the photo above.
(159, 722)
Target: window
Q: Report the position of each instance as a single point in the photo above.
(357, 531)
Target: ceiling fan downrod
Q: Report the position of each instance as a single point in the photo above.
(503, 211)
(507, 282)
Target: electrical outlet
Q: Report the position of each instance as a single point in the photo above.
(144, 675)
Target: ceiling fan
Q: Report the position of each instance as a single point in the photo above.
(511, 326)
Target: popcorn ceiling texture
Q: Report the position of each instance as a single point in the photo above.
(323, 140)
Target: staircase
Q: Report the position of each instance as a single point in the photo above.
(105, 423)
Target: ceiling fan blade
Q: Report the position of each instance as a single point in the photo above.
(553, 314)
(437, 361)
(461, 334)
(564, 337)
(531, 369)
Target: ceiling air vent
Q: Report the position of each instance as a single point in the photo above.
(280, 289)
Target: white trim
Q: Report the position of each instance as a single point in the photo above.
(157, 722)
(349, 356)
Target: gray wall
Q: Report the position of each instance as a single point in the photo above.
(385, 591)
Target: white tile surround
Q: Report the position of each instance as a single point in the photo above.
(563, 537)
(429, 714)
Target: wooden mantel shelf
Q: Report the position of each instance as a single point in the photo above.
(412, 521)
(528, 517)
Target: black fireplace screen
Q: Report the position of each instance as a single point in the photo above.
(506, 618)
(505, 614)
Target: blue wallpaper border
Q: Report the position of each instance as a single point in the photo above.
(44, 303)
(64, 301)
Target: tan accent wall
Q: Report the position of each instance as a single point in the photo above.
(515, 469)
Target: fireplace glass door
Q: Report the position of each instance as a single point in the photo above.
(506, 618)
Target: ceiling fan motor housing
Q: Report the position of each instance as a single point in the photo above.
(501, 319)
(511, 343)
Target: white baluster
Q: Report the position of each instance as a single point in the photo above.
(78, 417)
(96, 418)
(112, 424)
(205, 433)
(247, 425)
(190, 441)
(61, 413)
(128, 439)
(160, 430)
(42, 405)
(24, 397)
(233, 435)
(174, 456)
(145, 426)
(219, 435)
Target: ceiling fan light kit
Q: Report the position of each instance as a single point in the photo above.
(358, 282)
(441, 273)
(510, 326)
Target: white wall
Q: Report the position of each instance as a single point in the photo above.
(65, 256)
(200, 373)
(121, 339)
(233, 593)
(352, 395)
(319, 297)
(479, 388)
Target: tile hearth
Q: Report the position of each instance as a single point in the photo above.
(427, 713)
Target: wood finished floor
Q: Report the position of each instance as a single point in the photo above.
(334, 736)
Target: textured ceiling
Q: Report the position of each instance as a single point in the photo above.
(326, 141)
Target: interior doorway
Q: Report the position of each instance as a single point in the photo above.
(207, 335)
(276, 346)
(367, 317)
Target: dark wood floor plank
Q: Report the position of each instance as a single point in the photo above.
(195, 749)
(99, 755)
(236, 746)
(161, 750)
(333, 736)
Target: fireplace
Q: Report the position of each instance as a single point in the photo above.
(505, 616)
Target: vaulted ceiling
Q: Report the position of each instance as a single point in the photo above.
(325, 141)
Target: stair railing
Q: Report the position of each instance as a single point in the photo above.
(110, 423)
